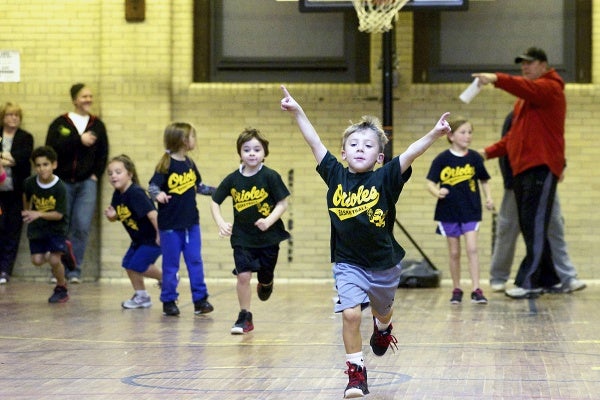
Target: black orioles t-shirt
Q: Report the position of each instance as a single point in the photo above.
(362, 210)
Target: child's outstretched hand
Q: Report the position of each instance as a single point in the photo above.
(288, 103)
(163, 198)
(442, 127)
(110, 213)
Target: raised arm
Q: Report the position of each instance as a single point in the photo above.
(420, 146)
(308, 131)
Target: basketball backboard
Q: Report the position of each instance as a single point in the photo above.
(412, 5)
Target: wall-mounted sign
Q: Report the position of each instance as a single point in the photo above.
(10, 66)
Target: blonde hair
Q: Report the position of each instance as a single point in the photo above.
(175, 138)
(367, 122)
(9, 108)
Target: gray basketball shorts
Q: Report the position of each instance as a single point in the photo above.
(356, 286)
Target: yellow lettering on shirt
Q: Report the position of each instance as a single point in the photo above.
(453, 176)
(43, 204)
(250, 198)
(349, 204)
(180, 183)
(124, 215)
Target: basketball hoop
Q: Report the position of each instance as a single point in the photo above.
(376, 16)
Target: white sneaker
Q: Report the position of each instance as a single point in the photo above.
(574, 285)
(137, 302)
(52, 280)
(520, 293)
(498, 287)
(3, 280)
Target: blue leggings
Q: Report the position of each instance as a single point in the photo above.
(172, 244)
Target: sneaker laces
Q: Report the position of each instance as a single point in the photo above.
(385, 339)
(356, 377)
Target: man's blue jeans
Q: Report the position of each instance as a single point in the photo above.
(81, 205)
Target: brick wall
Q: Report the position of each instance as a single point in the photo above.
(141, 77)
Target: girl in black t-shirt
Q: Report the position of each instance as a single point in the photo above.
(454, 179)
(174, 185)
(132, 206)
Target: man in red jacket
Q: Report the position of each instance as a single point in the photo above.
(535, 146)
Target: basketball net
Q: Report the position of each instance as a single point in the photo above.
(376, 16)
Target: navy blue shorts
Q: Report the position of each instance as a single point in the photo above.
(139, 257)
(52, 244)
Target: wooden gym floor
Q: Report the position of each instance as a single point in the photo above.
(90, 348)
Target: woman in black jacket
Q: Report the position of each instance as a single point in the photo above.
(16, 145)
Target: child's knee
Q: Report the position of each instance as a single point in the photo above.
(38, 259)
(244, 278)
(352, 315)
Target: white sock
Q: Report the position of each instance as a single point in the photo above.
(381, 326)
(356, 358)
(141, 293)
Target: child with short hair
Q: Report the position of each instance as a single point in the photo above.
(259, 199)
(453, 179)
(174, 185)
(45, 207)
(132, 206)
(362, 208)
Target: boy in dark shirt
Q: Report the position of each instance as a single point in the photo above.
(362, 208)
(45, 206)
(259, 199)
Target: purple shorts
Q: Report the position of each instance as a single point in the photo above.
(456, 229)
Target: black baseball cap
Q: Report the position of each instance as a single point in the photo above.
(532, 53)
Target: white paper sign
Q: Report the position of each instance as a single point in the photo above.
(10, 66)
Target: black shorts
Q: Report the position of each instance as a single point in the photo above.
(52, 244)
(262, 259)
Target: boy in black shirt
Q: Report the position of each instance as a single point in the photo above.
(362, 209)
(45, 206)
(259, 199)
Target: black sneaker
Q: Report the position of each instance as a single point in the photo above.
(264, 291)
(203, 306)
(478, 297)
(381, 340)
(457, 296)
(243, 323)
(357, 381)
(60, 295)
(68, 258)
(170, 308)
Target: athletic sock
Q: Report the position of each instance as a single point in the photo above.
(381, 326)
(356, 358)
(141, 293)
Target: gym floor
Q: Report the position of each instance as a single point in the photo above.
(547, 348)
